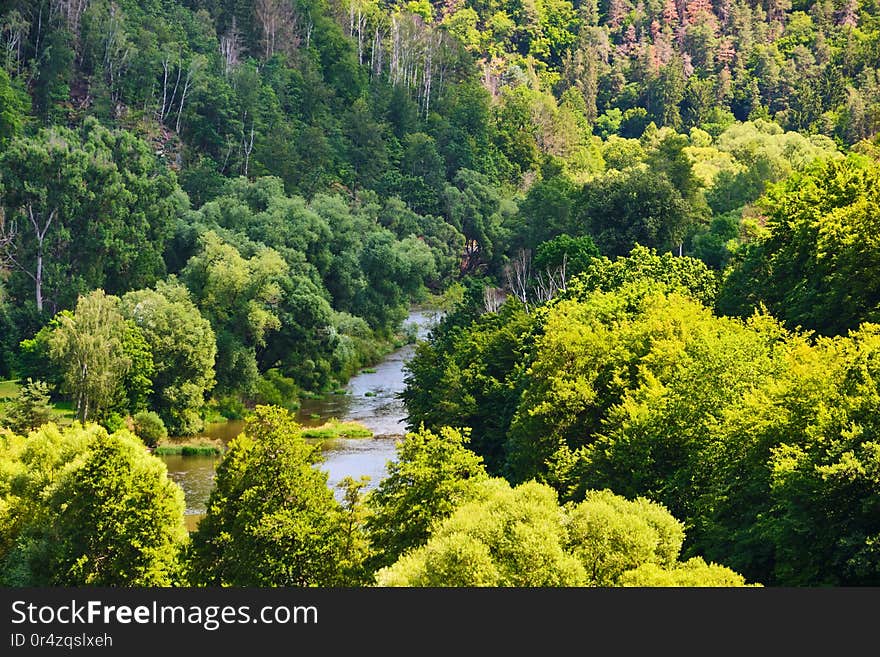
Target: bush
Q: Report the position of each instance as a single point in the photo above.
(273, 388)
(231, 407)
(113, 422)
(149, 427)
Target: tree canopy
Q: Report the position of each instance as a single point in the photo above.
(84, 507)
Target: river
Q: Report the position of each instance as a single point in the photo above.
(370, 398)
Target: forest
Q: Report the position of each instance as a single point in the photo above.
(652, 226)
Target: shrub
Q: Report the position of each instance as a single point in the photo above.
(149, 427)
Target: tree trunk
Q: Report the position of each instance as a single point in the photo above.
(40, 234)
(38, 278)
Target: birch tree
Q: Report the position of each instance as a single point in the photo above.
(87, 346)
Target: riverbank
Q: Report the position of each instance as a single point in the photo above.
(336, 429)
(371, 399)
(197, 447)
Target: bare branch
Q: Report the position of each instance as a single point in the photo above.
(493, 299)
(518, 272)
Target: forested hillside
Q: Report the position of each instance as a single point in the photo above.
(652, 225)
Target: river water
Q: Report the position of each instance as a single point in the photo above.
(370, 398)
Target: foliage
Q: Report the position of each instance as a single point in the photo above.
(682, 274)
(611, 535)
(65, 239)
(507, 537)
(238, 297)
(691, 573)
(575, 253)
(87, 347)
(806, 464)
(471, 378)
(634, 208)
(271, 519)
(30, 409)
(815, 265)
(82, 507)
(148, 426)
(521, 537)
(259, 190)
(183, 348)
(758, 439)
(430, 477)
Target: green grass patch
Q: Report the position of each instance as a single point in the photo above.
(334, 428)
(8, 392)
(199, 446)
(8, 389)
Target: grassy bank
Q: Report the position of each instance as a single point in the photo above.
(199, 446)
(334, 428)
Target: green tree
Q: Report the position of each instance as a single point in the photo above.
(691, 573)
(62, 237)
(15, 105)
(613, 356)
(87, 346)
(635, 207)
(366, 149)
(801, 454)
(137, 383)
(183, 348)
(430, 476)
(470, 375)
(611, 535)
(506, 537)
(394, 272)
(575, 253)
(815, 267)
(33, 359)
(684, 274)
(423, 170)
(670, 158)
(475, 208)
(239, 297)
(303, 346)
(95, 509)
(665, 92)
(271, 519)
(31, 409)
(521, 536)
(546, 212)
(148, 426)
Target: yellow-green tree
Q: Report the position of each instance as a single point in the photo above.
(816, 264)
(521, 536)
(80, 507)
